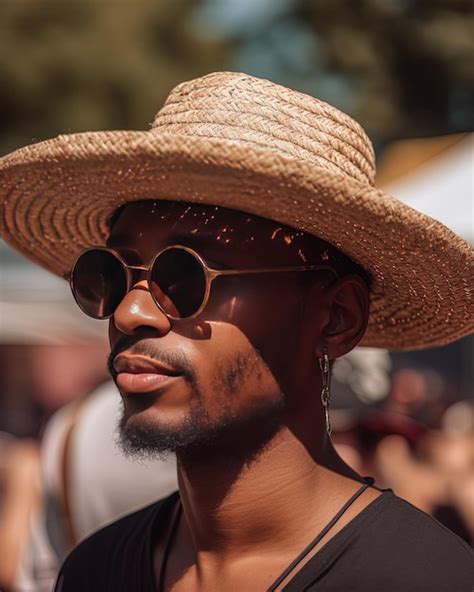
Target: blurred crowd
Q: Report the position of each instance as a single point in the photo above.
(397, 424)
(417, 443)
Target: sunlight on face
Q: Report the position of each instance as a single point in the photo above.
(235, 357)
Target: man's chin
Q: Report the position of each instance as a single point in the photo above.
(143, 437)
(146, 438)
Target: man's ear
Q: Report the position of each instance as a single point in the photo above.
(344, 323)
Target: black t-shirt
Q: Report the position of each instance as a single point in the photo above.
(390, 546)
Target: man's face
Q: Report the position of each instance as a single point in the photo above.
(237, 362)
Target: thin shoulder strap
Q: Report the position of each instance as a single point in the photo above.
(368, 482)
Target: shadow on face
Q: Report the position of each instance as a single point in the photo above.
(241, 362)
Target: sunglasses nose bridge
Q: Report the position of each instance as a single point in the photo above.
(136, 274)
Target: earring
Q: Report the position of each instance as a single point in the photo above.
(326, 392)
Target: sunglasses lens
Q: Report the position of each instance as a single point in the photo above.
(178, 282)
(99, 283)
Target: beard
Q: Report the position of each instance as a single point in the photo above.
(199, 436)
(233, 432)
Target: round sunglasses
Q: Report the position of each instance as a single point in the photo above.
(178, 278)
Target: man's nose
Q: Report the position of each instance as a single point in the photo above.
(138, 309)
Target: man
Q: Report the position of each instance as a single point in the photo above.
(203, 241)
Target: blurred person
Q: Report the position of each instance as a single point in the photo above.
(419, 393)
(451, 451)
(413, 406)
(399, 441)
(19, 500)
(63, 373)
(86, 484)
(455, 508)
(37, 378)
(435, 472)
(47, 361)
(53, 374)
(360, 383)
(372, 410)
(243, 178)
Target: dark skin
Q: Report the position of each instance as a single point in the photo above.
(255, 497)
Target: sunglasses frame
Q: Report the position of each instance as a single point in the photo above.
(209, 273)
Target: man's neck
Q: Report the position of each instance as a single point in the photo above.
(285, 493)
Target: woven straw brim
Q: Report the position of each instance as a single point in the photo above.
(57, 197)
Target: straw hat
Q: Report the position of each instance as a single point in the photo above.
(231, 140)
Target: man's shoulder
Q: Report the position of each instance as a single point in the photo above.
(102, 553)
(402, 544)
(391, 546)
(413, 528)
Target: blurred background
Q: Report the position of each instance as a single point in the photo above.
(402, 68)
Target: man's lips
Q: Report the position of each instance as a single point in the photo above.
(141, 374)
(143, 382)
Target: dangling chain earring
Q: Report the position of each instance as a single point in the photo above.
(326, 392)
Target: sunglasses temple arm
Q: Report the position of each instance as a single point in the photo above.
(218, 272)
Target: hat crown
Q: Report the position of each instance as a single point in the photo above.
(250, 111)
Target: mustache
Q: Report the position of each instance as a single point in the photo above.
(177, 359)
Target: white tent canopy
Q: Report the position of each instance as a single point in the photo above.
(443, 188)
(36, 307)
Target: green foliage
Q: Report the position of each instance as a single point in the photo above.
(401, 67)
(77, 65)
(412, 60)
